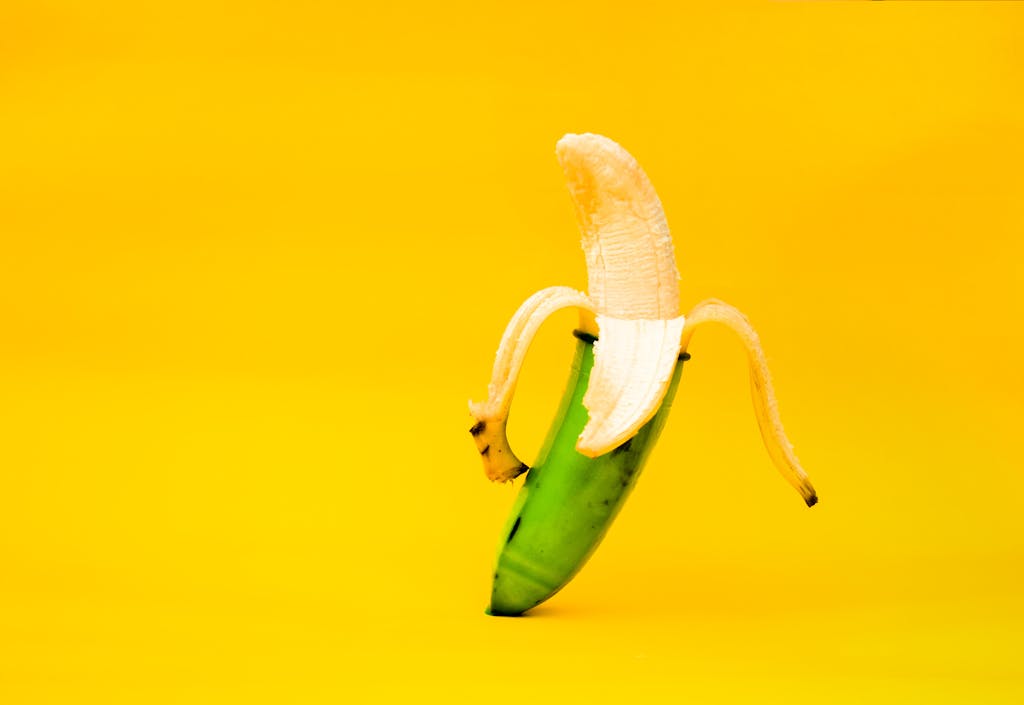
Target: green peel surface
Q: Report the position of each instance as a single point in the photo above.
(568, 500)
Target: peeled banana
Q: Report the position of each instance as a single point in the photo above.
(631, 344)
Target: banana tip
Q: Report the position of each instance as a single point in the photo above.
(812, 500)
(581, 142)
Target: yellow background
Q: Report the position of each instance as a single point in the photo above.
(257, 256)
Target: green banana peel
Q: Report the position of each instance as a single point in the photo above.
(568, 501)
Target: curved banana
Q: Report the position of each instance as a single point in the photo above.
(623, 379)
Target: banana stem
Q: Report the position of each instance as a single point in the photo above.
(763, 395)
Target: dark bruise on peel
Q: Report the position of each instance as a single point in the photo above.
(515, 528)
(627, 472)
(478, 428)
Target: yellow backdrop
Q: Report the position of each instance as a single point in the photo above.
(256, 257)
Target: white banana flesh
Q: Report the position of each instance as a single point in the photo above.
(633, 364)
(631, 263)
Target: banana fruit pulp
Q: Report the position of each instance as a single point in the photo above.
(568, 501)
(625, 374)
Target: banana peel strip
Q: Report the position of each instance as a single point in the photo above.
(762, 393)
(489, 432)
(519, 333)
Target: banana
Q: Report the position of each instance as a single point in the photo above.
(631, 343)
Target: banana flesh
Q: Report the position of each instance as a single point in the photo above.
(631, 263)
(632, 338)
(641, 351)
